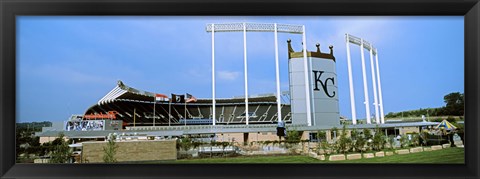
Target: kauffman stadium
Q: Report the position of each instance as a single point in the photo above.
(310, 105)
(136, 107)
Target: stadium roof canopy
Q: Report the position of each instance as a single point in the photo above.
(124, 92)
(130, 102)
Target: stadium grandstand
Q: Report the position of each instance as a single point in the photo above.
(141, 108)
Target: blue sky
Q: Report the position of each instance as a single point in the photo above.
(66, 64)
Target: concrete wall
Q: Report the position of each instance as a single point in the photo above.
(50, 139)
(46, 139)
(254, 136)
(132, 151)
(405, 130)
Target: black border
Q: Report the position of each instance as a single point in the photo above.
(9, 8)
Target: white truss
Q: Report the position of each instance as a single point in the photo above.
(112, 95)
(256, 27)
(358, 41)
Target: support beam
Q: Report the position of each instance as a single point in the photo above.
(277, 76)
(311, 92)
(213, 73)
(154, 103)
(245, 72)
(365, 87)
(350, 82)
(374, 85)
(307, 83)
(382, 116)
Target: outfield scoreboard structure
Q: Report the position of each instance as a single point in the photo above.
(323, 87)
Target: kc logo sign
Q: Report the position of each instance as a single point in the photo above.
(323, 84)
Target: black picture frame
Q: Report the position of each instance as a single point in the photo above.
(470, 9)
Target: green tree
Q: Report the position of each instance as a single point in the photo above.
(391, 141)
(404, 142)
(415, 139)
(61, 151)
(110, 150)
(325, 146)
(344, 142)
(186, 143)
(378, 139)
(321, 135)
(358, 141)
(334, 133)
(367, 134)
(454, 104)
(293, 136)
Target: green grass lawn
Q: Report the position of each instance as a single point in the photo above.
(448, 156)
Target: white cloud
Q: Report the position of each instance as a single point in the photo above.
(228, 75)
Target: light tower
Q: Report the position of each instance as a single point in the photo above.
(378, 100)
(260, 27)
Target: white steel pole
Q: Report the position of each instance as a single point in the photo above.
(277, 76)
(350, 81)
(311, 93)
(185, 112)
(365, 87)
(213, 73)
(374, 84)
(169, 111)
(307, 84)
(154, 102)
(245, 70)
(382, 117)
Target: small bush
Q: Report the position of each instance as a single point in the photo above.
(415, 140)
(61, 151)
(391, 141)
(358, 141)
(404, 142)
(110, 150)
(321, 135)
(379, 140)
(367, 134)
(344, 143)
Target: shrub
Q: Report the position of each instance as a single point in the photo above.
(321, 135)
(325, 146)
(404, 142)
(358, 141)
(415, 139)
(367, 134)
(379, 140)
(110, 150)
(334, 133)
(185, 143)
(293, 138)
(391, 141)
(61, 152)
(344, 143)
